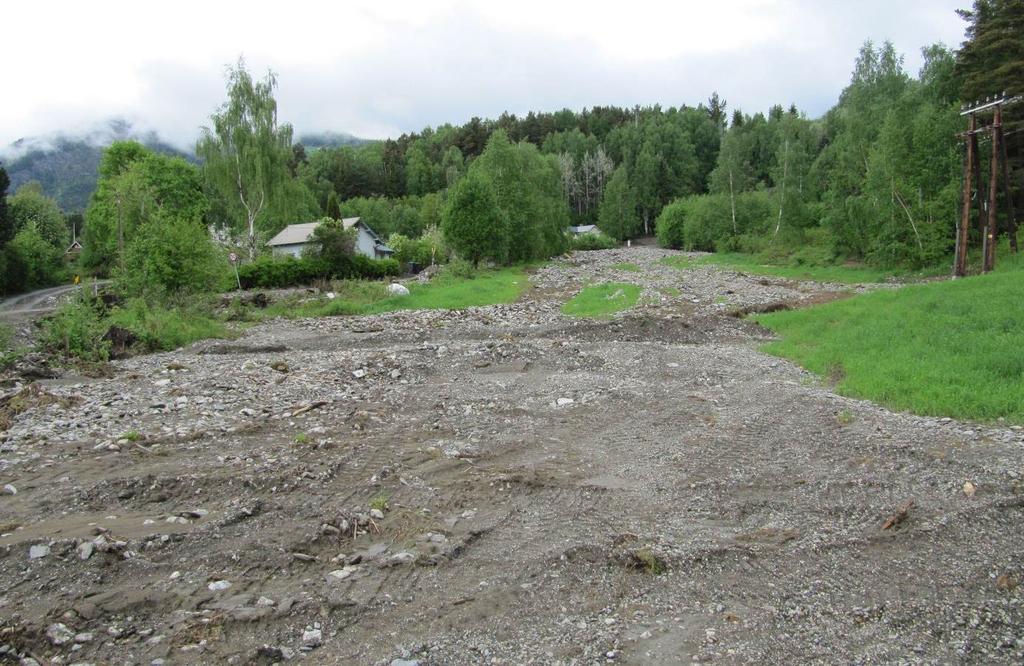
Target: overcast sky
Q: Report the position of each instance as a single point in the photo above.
(377, 69)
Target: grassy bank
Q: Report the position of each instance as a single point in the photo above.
(602, 300)
(444, 292)
(950, 348)
(747, 263)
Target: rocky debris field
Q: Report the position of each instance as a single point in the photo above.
(503, 485)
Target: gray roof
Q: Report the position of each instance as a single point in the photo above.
(584, 229)
(296, 234)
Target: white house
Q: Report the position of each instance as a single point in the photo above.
(295, 237)
(584, 229)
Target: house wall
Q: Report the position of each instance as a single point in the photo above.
(294, 250)
(364, 243)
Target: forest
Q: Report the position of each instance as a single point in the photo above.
(876, 180)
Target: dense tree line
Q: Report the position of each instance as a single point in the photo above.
(875, 179)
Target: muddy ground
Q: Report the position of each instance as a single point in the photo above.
(504, 485)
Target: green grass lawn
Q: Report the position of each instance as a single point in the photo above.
(950, 348)
(845, 274)
(442, 293)
(602, 300)
(627, 266)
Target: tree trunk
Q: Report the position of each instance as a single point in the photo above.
(782, 196)
(732, 203)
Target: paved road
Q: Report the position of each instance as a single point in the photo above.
(35, 302)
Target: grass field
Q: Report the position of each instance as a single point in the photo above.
(844, 274)
(442, 293)
(602, 300)
(950, 348)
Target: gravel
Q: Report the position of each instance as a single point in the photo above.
(506, 485)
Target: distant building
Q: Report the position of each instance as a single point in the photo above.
(294, 238)
(75, 249)
(584, 229)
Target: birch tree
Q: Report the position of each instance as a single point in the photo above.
(246, 152)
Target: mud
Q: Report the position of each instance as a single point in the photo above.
(505, 485)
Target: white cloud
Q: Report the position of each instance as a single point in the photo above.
(380, 68)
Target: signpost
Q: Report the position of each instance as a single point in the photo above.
(233, 258)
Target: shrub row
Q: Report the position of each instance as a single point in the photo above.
(271, 272)
(593, 242)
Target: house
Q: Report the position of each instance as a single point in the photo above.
(584, 229)
(294, 238)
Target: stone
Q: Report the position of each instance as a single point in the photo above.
(376, 514)
(10, 489)
(405, 662)
(219, 585)
(83, 637)
(312, 638)
(400, 559)
(85, 550)
(59, 634)
(562, 402)
(396, 289)
(38, 551)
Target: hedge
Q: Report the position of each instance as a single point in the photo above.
(271, 272)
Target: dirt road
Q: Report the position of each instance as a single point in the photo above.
(505, 485)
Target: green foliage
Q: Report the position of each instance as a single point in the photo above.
(76, 330)
(602, 300)
(135, 187)
(246, 157)
(388, 216)
(164, 328)
(528, 196)
(617, 217)
(627, 266)
(407, 250)
(332, 242)
(171, 255)
(30, 207)
(7, 229)
(473, 225)
(705, 222)
(31, 262)
(597, 241)
(450, 290)
(271, 272)
(905, 348)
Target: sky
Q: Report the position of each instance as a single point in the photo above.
(377, 69)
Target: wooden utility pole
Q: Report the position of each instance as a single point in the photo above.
(964, 227)
(992, 233)
(988, 218)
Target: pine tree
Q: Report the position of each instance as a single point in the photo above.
(333, 206)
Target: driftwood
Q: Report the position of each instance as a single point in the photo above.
(310, 407)
(900, 515)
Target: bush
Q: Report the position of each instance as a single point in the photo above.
(272, 272)
(171, 255)
(704, 222)
(164, 329)
(597, 241)
(32, 263)
(408, 251)
(76, 330)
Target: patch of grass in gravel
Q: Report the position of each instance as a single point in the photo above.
(950, 348)
(627, 266)
(444, 292)
(602, 300)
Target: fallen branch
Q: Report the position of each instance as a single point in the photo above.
(308, 408)
(900, 515)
